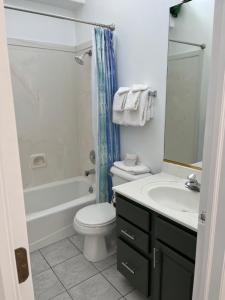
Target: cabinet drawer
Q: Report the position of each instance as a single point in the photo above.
(175, 237)
(133, 266)
(133, 235)
(133, 213)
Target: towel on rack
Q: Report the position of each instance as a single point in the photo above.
(123, 90)
(150, 110)
(135, 170)
(139, 88)
(134, 96)
(132, 101)
(143, 114)
(120, 98)
(118, 117)
(138, 117)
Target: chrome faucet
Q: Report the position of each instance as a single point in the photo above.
(192, 183)
(89, 172)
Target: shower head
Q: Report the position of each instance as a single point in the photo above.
(80, 58)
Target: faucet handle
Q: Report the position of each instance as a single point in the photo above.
(192, 177)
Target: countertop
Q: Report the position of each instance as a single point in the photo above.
(134, 190)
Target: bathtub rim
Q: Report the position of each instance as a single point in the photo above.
(58, 183)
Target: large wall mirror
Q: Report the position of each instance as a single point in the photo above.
(190, 34)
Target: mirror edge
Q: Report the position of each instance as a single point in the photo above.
(182, 164)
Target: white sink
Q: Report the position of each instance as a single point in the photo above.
(174, 196)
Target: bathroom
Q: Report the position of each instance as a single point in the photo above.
(110, 202)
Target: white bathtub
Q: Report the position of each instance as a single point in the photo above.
(50, 209)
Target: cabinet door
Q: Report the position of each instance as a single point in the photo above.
(172, 275)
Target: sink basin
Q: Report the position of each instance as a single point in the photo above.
(174, 196)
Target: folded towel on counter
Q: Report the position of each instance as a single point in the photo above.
(135, 170)
(132, 101)
(126, 175)
(120, 98)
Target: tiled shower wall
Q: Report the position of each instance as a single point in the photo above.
(52, 96)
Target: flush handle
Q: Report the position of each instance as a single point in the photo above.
(22, 264)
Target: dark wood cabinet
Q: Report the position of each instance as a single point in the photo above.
(133, 266)
(172, 276)
(154, 253)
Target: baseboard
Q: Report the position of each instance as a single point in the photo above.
(54, 237)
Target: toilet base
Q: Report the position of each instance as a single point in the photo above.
(95, 248)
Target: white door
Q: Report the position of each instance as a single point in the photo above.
(210, 261)
(13, 231)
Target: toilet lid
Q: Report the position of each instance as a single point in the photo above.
(96, 214)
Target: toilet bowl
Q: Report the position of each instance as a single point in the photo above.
(96, 222)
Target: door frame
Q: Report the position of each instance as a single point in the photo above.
(210, 260)
(210, 238)
(13, 231)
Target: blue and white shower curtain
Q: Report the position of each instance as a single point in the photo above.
(107, 135)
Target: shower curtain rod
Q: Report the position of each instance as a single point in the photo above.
(111, 27)
(202, 46)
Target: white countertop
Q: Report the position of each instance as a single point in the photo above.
(134, 190)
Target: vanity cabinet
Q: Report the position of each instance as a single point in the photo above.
(173, 274)
(155, 254)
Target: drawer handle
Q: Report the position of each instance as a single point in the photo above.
(125, 265)
(131, 237)
(155, 257)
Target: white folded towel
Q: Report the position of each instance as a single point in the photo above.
(135, 170)
(132, 101)
(139, 87)
(120, 98)
(128, 176)
(130, 159)
(123, 90)
(118, 117)
(139, 117)
(150, 110)
(143, 114)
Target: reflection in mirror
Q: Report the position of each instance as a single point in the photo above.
(187, 81)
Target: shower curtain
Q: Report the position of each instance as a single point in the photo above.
(107, 136)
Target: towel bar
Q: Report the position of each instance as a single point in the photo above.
(153, 93)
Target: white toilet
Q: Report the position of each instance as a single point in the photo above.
(97, 222)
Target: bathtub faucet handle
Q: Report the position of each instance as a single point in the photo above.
(89, 172)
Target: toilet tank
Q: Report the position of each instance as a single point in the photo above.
(120, 176)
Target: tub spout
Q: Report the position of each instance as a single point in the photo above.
(89, 172)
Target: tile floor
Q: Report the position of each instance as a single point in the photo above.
(61, 272)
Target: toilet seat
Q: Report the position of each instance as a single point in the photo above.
(96, 215)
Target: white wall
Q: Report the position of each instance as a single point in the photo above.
(142, 42)
(32, 27)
